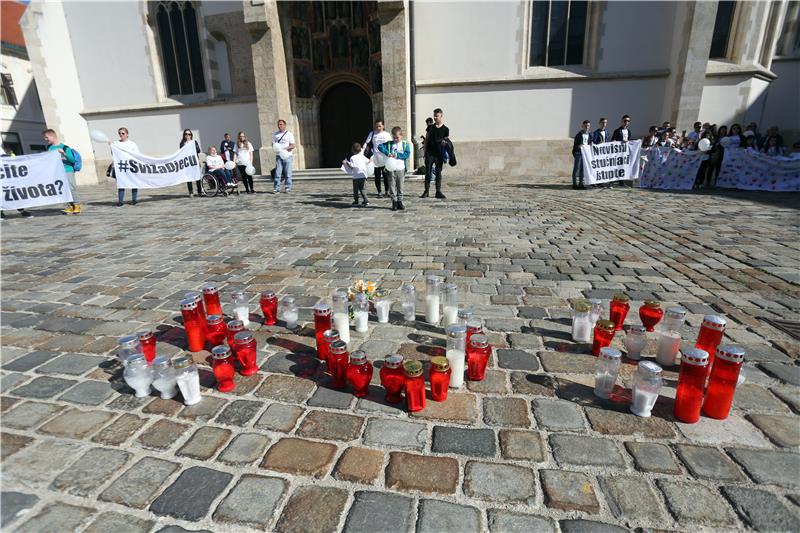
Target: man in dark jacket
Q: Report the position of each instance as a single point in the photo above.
(622, 133)
(601, 135)
(436, 137)
(583, 137)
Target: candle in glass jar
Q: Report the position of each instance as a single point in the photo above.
(382, 305)
(618, 310)
(211, 299)
(456, 353)
(650, 313)
(290, 312)
(200, 311)
(691, 385)
(450, 303)
(328, 338)
(596, 310)
(148, 342)
(341, 315)
(606, 371)
(233, 327)
(646, 387)
(432, 286)
(138, 375)
(241, 311)
(463, 314)
(188, 379)
(269, 307)
(414, 386)
(392, 378)
(669, 343)
(246, 352)
(603, 335)
(408, 297)
(222, 365)
(164, 377)
(710, 336)
(582, 323)
(195, 332)
(323, 321)
(217, 331)
(635, 341)
(478, 352)
(723, 381)
(338, 360)
(440, 378)
(359, 373)
(361, 312)
(474, 326)
(673, 319)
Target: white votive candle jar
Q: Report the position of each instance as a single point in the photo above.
(669, 343)
(456, 353)
(646, 386)
(432, 286)
(341, 315)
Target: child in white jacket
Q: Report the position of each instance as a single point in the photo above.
(356, 166)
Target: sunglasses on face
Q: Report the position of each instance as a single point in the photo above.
(626, 121)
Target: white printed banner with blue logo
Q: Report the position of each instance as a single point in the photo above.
(33, 180)
(139, 171)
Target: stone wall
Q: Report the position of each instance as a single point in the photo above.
(533, 158)
(231, 27)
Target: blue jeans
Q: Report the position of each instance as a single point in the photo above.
(577, 171)
(224, 174)
(283, 169)
(121, 195)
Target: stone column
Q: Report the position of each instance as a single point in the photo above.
(393, 16)
(271, 77)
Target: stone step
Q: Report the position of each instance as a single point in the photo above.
(320, 174)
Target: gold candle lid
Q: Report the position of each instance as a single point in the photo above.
(655, 304)
(606, 325)
(412, 369)
(620, 297)
(440, 364)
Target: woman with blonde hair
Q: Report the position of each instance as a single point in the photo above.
(243, 156)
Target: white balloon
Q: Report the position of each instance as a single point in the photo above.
(748, 133)
(284, 154)
(370, 169)
(392, 164)
(250, 170)
(230, 165)
(98, 136)
(276, 147)
(704, 145)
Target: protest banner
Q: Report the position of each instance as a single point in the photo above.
(668, 168)
(33, 180)
(612, 161)
(139, 171)
(753, 171)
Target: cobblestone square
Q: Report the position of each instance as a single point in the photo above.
(528, 449)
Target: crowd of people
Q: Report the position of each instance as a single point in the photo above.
(719, 139)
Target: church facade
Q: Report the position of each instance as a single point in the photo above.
(515, 78)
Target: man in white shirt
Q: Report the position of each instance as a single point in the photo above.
(129, 146)
(283, 165)
(377, 137)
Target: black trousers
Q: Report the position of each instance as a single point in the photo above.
(189, 186)
(358, 189)
(247, 179)
(431, 161)
(381, 176)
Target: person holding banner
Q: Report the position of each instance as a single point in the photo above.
(622, 134)
(126, 144)
(68, 159)
(188, 137)
(600, 135)
(583, 137)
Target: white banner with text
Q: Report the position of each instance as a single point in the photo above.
(33, 180)
(139, 171)
(612, 161)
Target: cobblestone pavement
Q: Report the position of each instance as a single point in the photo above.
(528, 449)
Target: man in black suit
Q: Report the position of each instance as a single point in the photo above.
(581, 138)
(622, 133)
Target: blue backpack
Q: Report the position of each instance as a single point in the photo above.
(78, 165)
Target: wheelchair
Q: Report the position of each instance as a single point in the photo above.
(211, 185)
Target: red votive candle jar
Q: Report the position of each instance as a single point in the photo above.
(337, 364)
(478, 352)
(234, 327)
(414, 386)
(603, 335)
(474, 325)
(691, 383)
(217, 331)
(392, 378)
(148, 341)
(222, 363)
(359, 373)
(723, 381)
(245, 345)
(709, 336)
(195, 334)
(440, 378)
(211, 299)
(269, 307)
(328, 338)
(322, 323)
(618, 310)
(650, 313)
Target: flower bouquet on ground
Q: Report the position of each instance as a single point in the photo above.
(361, 287)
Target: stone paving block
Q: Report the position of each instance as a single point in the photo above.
(463, 441)
(333, 399)
(769, 467)
(137, 486)
(632, 499)
(790, 395)
(533, 384)
(120, 430)
(43, 387)
(693, 503)
(787, 373)
(750, 397)
(9, 381)
(162, 434)
(761, 510)
(239, 413)
(568, 363)
(29, 361)
(191, 495)
(29, 414)
(499, 482)
(286, 388)
(459, 407)
(58, 516)
(379, 511)
(93, 469)
(587, 451)
(71, 364)
(112, 521)
(501, 521)
(203, 411)
(494, 382)
(522, 445)
(589, 526)
(709, 463)
(300, 457)
(558, 415)
(525, 341)
(506, 412)
(611, 422)
(395, 434)
(568, 491)
(159, 406)
(653, 457)
(330, 426)
(328, 504)
(436, 516)
(204, 443)
(517, 360)
(76, 424)
(359, 465)
(14, 505)
(423, 473)
(244, 449)
(239, 506)
(88, 393)
(732, 430)
(782, 430)
(279, 417)
(11, 443)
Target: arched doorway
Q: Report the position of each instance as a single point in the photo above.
(345, 116)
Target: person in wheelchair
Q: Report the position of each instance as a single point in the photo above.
(216, 167)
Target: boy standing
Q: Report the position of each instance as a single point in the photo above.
(227, 148)
(356, 166)
(68, 159)
(398, 149)
(435, 139)
(581, 138)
